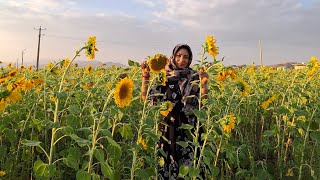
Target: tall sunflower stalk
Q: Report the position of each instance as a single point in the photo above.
(212, 49)
(91, 48)
(156, 64)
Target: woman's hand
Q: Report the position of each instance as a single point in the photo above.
(145, 69)
(203, 76)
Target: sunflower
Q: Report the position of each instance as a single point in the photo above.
(9, 65)
(13, 73)
(91, 47)
(3, 104)
(212, 49)
(157, 63)
(166, 108)
(49, 66)
(66, 62)
(88, 69)
(221, 76)
(14, 97)
(123, 92)
(231, 73)
(244, 87)
(266, 103)
(228, 127)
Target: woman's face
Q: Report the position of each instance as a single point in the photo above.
(182, 58)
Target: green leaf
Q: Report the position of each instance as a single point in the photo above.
(99, 154)
(83, 175)
(133, 63)
(186, 126)
(200, 114)
(73, 158)
(183, 171)
(126, 131)
(95, 177)
(30, 143)
(194, 172)
(113, 143)
(81, 142)
(107, 170)
(41, 169)
(182, 143)
(74, 109)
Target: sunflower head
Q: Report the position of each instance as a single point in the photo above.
(123, 92)
(221, 76)
(243, 86)
(231, 123)
(166, 108)
(211, 48)
(157, 63)
(88, 69)
(91, 47)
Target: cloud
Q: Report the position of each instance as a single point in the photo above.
(288, 29)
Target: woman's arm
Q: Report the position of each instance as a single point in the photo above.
(204, 83)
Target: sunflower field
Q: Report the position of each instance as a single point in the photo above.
(67, 122)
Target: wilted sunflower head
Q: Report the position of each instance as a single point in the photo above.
(123, 92)
(157, 63)
(91, 47)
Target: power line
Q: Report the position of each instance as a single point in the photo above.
(39, 45)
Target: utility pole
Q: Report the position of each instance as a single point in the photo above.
(39, 45)
(260, 52)
(22, 56)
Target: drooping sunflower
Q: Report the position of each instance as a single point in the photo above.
(166, 108)
(91, 47)
(123, 92)
(212, 49)
(157, 63)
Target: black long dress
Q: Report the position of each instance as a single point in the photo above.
(174, 154)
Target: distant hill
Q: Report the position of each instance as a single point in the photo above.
(81, 63)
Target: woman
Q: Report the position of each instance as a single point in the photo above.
(183, 93)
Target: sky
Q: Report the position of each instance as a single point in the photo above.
(289, 30)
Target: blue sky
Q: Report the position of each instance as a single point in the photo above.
(135, 29)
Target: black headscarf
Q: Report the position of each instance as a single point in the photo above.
(185, 77)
